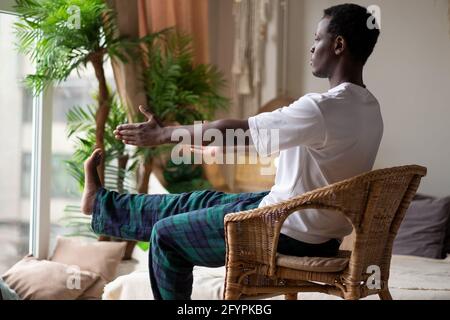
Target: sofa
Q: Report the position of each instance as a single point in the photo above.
(412, 278)
(420, 265)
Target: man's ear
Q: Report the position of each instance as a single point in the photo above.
(339, 45)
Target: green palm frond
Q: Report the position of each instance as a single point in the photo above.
(177, 89)
(78, 224)
(80, 119)
(81, 128)
(49, 33)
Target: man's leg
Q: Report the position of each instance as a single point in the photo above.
(188, 228)
(91, 181)
(181, 241)
(131, 216)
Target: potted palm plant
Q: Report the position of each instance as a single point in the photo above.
(61, 36)
(178, 92)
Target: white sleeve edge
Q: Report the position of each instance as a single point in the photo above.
(254, 132)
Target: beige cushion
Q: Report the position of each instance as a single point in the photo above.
(314, 264)
(102, 258)
(34, 279)
(95, 291)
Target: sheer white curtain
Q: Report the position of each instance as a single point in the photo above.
(251, 19)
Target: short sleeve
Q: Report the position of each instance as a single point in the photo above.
(301, 123)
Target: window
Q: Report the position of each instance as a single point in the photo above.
(27, 106)
(17, 230)
(46, 192)
(62, 184)
(16, 143)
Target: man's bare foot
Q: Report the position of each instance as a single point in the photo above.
(91, 181)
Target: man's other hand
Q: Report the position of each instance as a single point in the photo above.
(145, 134)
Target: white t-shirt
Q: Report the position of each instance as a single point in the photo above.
(323, 139)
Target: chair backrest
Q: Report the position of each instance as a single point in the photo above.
(379, 201)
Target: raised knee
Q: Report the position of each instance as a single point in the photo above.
(160, 234)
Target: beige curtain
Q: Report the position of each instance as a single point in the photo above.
(190, 16)
(137, 18)
(251, 18)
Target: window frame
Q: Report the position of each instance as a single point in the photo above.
(41, 161)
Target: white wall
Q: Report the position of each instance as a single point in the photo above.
(270, 85)
(409, 73)
(221, 33)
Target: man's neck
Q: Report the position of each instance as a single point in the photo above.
(344, 74)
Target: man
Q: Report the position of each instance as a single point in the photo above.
(323, 138)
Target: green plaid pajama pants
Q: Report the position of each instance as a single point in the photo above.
(184, 230)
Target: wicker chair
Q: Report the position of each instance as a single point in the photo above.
(375, 203)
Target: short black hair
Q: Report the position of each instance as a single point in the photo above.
(352, 22)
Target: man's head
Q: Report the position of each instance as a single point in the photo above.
(343, 34)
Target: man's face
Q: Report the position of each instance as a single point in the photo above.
(323, 57)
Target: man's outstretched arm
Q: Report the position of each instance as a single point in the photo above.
(151, 133)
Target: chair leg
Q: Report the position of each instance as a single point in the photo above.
(385, 295)
(290, 296)
(232, 295)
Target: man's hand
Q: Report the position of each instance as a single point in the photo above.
(146, 134)
(151, 133)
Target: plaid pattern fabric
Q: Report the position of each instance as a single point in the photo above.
(184, 230)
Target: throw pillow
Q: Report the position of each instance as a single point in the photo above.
(447, 241)
(423, 230)
(6, 293)
(100, 257)
(35, 279)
